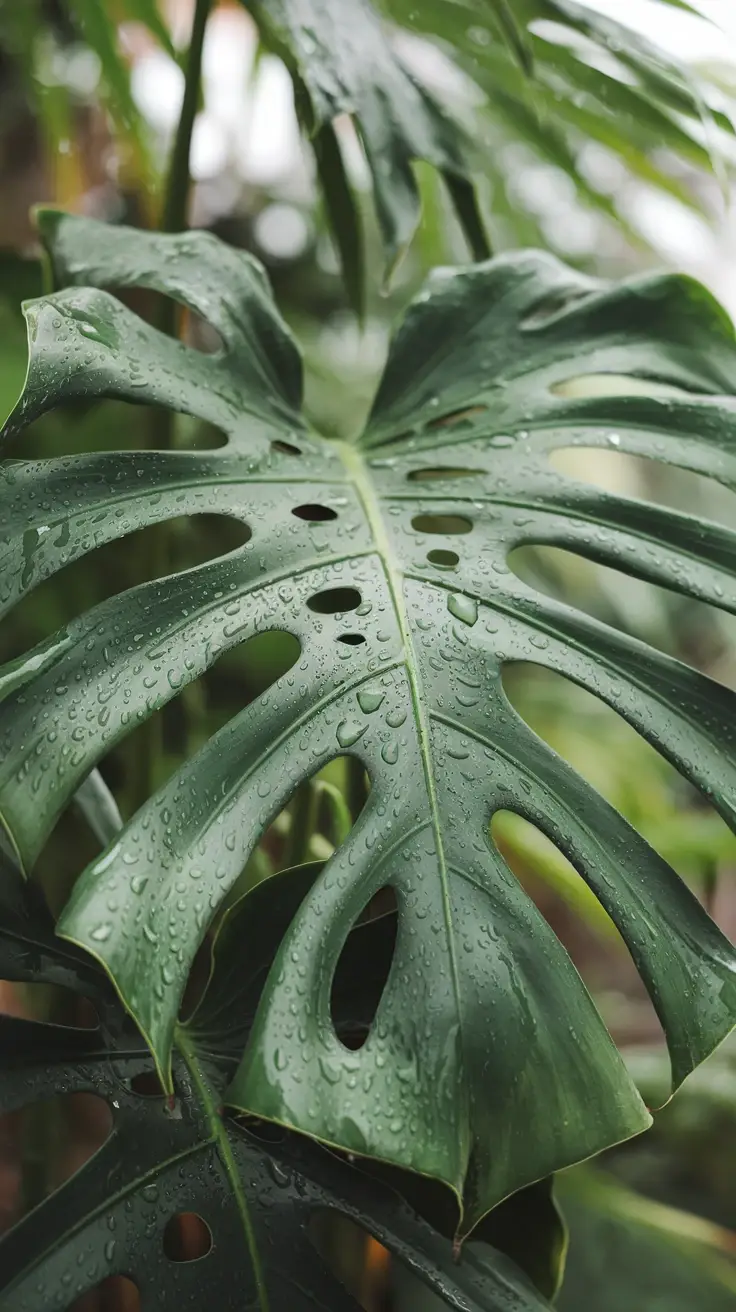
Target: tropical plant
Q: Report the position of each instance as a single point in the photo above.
(450, 1040)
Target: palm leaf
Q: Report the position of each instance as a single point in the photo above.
(619, 90)
(484, 1027)
(101, 36)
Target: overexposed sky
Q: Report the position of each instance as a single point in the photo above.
(682, 34)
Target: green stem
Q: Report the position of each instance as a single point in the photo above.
(176, 196)
(161, 425)
(296, 847)
(218, 1129)
(356, 787)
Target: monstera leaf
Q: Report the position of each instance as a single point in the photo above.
(487, 1065)
(165, 1157)
(344, 64)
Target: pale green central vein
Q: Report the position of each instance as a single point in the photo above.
(222, 1143)
(355, 467)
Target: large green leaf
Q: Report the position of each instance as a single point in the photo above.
(164, 1157)
(484, 1029)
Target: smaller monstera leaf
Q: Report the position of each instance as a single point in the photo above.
(166, 1156)
(487, 1065)
(343, 62)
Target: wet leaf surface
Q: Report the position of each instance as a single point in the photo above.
(483, 1028)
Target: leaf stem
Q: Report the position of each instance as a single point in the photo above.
(302, 816)
(161, 425)
(176, 195)
(356, 791)
(220, 1137)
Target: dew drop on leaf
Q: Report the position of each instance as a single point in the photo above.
(370, 701)
(462, 607)
(349, 731)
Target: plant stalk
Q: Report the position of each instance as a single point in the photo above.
(176, 194)
(161, 425)
(302, 817)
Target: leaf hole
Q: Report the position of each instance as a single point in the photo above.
(656, 481)
(439, 473)
(155, 307)
(63, 573)
(147, 1084)
(361, 1264)
(114, 1294)
(38, 1000)
(456, 417)
(442, 524)
(371, 943)
(285, 448)
(187, 1237)
(351, 639)
(46, 1143)
(446, 559)
(83, 427)
(665, 808)
(677, 624)
(334, 601)
(328, 804)
(582, 926)
(314, 513)
(550, 308)
(599, 385)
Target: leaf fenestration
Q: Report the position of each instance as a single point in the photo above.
(484, 1026)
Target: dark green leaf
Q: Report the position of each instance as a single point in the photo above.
(165, 1157)
(476, 379)
(342, 213)
(345, 60)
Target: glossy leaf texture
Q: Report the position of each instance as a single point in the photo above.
(168, 1157)
(406, 611)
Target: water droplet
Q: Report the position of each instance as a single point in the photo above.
(349, 731)
(462, 607)
(370, 701)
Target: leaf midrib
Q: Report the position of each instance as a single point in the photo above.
(222, 1143)
(359, 476)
